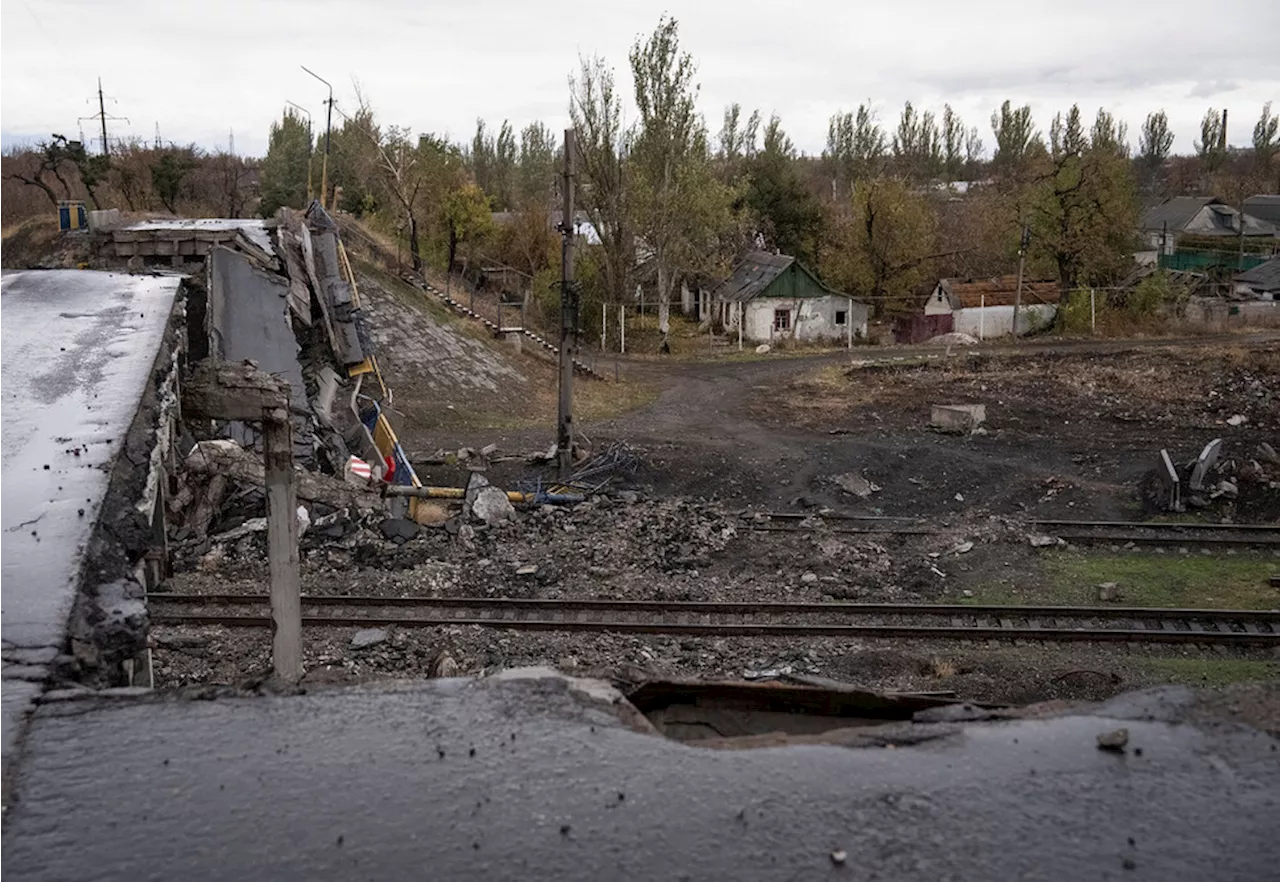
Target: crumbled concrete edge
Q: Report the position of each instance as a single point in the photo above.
(109, 622)
(597, 693)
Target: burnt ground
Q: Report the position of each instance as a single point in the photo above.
(1071, 432)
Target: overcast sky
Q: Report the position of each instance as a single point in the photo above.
(201, 71)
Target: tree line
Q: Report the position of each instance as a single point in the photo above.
(885, 208)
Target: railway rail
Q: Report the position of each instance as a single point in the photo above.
(1078, 531)
(772, 619)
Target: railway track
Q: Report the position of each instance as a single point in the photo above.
(771, 619)
(1077, 531)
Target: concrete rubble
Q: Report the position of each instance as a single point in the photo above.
(957, 418)
(1228, 478)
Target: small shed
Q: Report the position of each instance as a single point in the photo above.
(983, 308)
(1260, 283)
(774, 296)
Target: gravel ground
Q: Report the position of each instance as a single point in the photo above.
(666, 549)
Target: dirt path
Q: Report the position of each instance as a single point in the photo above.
(759, 432)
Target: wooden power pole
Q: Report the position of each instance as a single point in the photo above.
(568, 314)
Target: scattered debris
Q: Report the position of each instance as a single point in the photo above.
(957, 418)
(367, 637)
(959, 497)
(763, 349)
(1237, 420)
(1114, 741)
(839, 856)
(399, 530)
(1226, 488)
(856, 485)
(963, 548)
(1108, 592)
(1268, 454)
(1044, 541)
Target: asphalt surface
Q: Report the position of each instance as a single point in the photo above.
(78, 351)
(458, 779)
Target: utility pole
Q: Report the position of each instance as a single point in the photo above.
(1022, 260)
(328, 127)
(568, 313)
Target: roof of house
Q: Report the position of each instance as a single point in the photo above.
(753, 275)
(1176, 212)
(1002, 291)
(1263, 277)
(1184, 214)
(1264, 206)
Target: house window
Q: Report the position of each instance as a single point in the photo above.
(782, 319)
(842, 317)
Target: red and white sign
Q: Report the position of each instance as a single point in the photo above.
(358, 468)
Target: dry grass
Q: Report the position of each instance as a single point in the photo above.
(942, 668)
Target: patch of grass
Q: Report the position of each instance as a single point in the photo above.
(596, 401)
(1209, 671)
(1070, 578)
(593, 401)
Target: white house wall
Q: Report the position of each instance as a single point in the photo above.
(812, 318)
(938, 303)
(997, 321)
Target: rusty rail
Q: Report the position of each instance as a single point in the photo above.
(707, 618)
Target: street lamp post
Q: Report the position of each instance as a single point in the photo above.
(310, 148)
(328, 127)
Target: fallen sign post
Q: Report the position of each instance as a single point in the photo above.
(226, 391)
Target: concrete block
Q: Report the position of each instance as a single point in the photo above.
(957, 417)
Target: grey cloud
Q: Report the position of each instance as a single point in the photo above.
(1209, 88)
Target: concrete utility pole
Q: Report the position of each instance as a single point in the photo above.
(328, 127)
(1022, 260)
(568, 313)
(282, 545)
(237, 391)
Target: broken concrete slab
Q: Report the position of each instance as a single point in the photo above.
(249, 319)
(367, 637)
(957, 418)
(1205, 462)
(856, 485)
(226, 457)
(492, 506)
(1173, 484)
